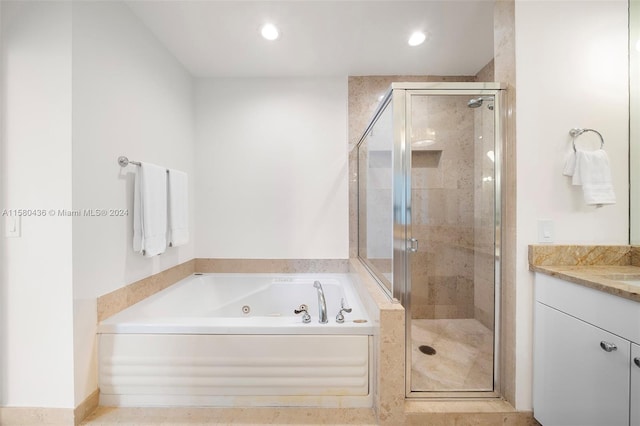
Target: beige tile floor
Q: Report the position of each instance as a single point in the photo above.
(231, 416)
(463, 358)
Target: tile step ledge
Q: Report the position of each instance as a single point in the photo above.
(458, 406)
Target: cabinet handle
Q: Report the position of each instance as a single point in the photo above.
(608, 347)
(636, 361)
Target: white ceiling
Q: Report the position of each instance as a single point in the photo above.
(222, 38)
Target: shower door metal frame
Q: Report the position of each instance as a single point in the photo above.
(401, 94)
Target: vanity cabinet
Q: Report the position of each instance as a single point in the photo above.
(585, 343)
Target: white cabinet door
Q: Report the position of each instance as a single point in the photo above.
(635, 385)
(576, 382)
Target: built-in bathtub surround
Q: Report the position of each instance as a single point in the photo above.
(234, 339)
(272, 265)
(116, 301)
(388, 347)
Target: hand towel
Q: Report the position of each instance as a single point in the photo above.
(150, 210)
(570, 164)
(178, 208)
(593, 172)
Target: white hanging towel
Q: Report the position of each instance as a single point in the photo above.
(150, 210)
(593, 172)
(178, 208)
(570, 164)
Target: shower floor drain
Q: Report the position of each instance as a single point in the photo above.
(427, 350)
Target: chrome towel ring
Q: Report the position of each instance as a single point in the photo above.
(577, 132)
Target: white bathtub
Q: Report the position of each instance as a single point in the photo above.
(234, 340)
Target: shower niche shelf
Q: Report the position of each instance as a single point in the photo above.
(426, 158)
(419, 146)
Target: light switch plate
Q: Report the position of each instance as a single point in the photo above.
(545, 231)
(12, 226)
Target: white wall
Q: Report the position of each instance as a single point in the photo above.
(130, 97)
(2, 200)
(571, 68)
(271, 168)
(37, 310)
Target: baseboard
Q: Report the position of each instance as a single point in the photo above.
(26, 416)
(487, 412)
(86, 407)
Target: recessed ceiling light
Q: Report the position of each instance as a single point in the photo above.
(417, 38)
(270, 32)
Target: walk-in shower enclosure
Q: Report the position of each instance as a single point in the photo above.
(429, 228)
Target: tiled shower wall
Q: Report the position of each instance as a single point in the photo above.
(442, 209)
(452, 274)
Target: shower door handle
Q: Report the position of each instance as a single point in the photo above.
(413, 245)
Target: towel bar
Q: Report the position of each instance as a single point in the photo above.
(124, 162)
(577, 132)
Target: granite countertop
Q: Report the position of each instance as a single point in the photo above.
(601, 277)
(599, 267)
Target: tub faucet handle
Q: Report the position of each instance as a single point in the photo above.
(306, 318)
(340, 316)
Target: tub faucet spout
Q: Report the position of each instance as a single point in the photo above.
(322, 304)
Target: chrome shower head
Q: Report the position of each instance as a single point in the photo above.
(476, 102)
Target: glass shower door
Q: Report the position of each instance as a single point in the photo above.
(451, 230)
(375, 198)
